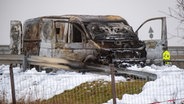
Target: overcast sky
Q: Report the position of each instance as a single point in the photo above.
(134, 11)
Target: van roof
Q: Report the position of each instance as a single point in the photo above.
(89, 18)
(82, 18)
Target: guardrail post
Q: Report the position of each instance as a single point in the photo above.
(113, 82)
(12, 84)
(25, 63)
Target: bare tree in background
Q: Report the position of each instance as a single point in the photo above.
(178, 14)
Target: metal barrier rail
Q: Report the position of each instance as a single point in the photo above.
(11, 59)
(4, 49)
(70, 65)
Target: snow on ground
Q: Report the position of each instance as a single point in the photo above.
(32, 85)
(168, 88)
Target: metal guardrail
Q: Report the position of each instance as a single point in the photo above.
(69, 65)
(11, 59)
(176, 50)
(4, 49)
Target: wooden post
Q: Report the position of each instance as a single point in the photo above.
(113, 86)
(12, 84)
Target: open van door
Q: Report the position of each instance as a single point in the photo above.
(15, 37)
(154, 33)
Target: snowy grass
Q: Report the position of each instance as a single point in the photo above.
(96, 92)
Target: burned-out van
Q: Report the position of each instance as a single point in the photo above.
(99, 39)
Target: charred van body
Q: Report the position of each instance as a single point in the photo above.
(83, 38)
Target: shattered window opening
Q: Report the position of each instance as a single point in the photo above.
(77, 33)
(108, 30)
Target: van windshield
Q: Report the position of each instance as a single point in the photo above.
(109, 30)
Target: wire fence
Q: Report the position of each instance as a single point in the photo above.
(64, 87)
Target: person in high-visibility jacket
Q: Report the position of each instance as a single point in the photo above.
(166, 57)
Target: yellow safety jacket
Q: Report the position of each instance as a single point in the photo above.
(166, 56)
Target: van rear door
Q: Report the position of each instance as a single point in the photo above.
(15, 37)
